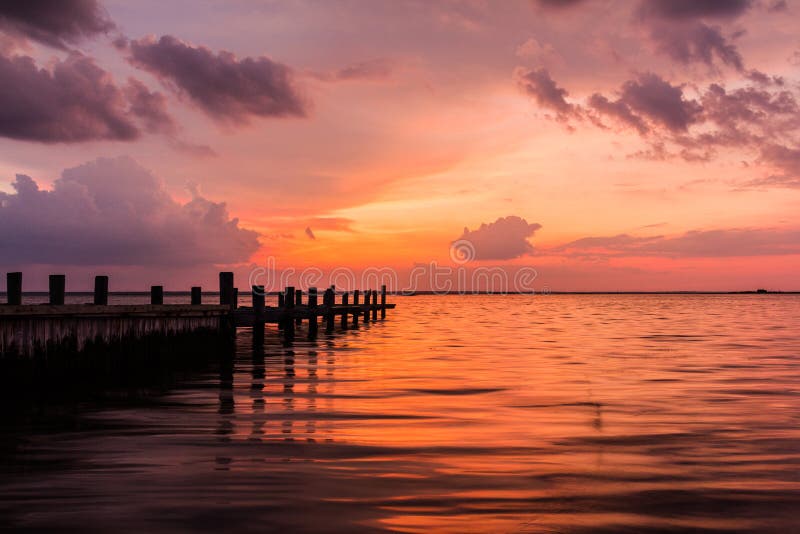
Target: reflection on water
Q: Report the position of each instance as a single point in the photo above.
(502, 414)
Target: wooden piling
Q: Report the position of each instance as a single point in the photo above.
(355, 303)
(345, 299)
(374, 305)
(298, 301)
(226, 289)
(288, 326)
(235, 297)
(157, 295)
(383, 301)
(258, 303)
(101, 290)
(14, 288)
(366, 308)
(330, 300)
(58, 284)
(313, 324)
(197, 296)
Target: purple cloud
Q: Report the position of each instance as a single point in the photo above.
(55, 23)
(695, 43)
(659, 101)
(539, 85)
(504, 239)
(692, 9)
(77, 101)
(309, 233)
(226, 88)
(114, 212)
(149, 107)
(732, 242)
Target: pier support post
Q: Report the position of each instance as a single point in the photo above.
(366, 301)
(356, 313)
(101, 291)
(298, 301)
(383, 301)
(58, 284)
(374, 305)
(157, 295)
(345, 299)
(259, 311)
(288, 326)
(313, 323)
(330, 300)
(226, 289)
(14, 288)
(197, 295)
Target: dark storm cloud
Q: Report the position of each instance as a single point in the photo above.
(225, 87)
(114, 212)
(730, 242)
(538, 84)
(504, 239)
(55, 23)
(77, 101)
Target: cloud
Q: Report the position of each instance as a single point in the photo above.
(225, 87)
(659, 101)
(114, 212)
(558, 4)
(56, 23)
(309, 233)
(149, 107)
(732, 242)
(374, 69)
(693, 9)
(539, 85)
(695, 43)
(504, 239)
(77, 101)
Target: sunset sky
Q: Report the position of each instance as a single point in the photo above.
(607, 144)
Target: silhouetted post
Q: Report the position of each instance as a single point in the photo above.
(281, 305)
(330, 299)
(197, 295)
(345, 299)
(226, 289)
(374, 304)
(101, 290)
(58, 284)
(235, 297)
(288, 327)
(156, 294)
(258, 302)
(383, 301)
(357, 312)
(298, 301)
(14, 288)
(366, 308)
(312, 308)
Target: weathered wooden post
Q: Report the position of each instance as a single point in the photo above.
(226, 289)
(374, 304)
(298, 301)
(345, 299)
(366, 308)
(157, 295)
(330, 300)
(383, 301)
(197, 295)
(258, 311)
(58, 284)
(101, 290)
(357, 312)
(288, 327)
(235, 297)
(281, 305)
(312, 308)
(14, 288)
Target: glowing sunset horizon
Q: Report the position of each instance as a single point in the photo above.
(607, 145)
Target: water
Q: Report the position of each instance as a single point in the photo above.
(585, 413)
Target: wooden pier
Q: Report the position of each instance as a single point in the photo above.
(45, 331)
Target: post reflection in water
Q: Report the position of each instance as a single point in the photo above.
(500, 414)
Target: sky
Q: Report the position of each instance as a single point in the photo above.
(609, 145)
